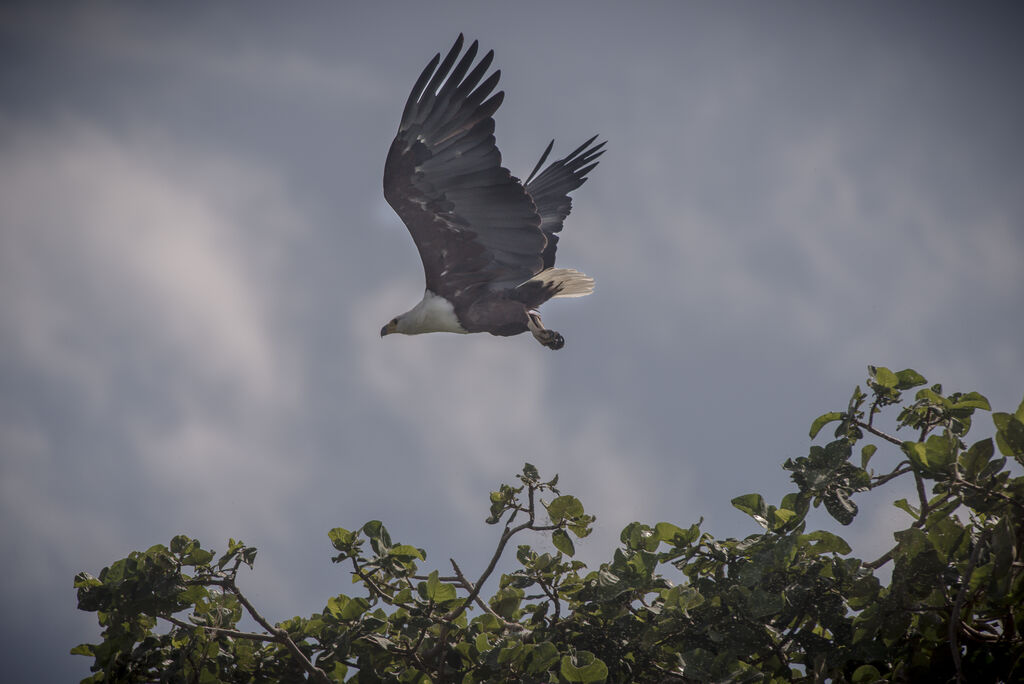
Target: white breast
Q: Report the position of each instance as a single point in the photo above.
(433, 314)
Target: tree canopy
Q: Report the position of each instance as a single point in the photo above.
(672, 604)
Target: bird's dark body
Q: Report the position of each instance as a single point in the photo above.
(510, 307)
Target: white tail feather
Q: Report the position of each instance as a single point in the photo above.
(572, 282)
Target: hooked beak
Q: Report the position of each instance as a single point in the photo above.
(388, 329)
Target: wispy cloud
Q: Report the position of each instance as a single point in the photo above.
(144, 283)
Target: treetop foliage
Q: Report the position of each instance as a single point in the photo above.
(673, 604)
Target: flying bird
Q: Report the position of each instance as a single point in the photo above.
(487, 240)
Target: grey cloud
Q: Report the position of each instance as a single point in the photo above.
(195, 262)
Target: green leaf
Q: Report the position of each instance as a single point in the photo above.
(509, 653)
(1009, 435)
(199, 557)
(839, 506)
(866, 453)
(972, 400)
(981, 576)
(903, 505)
(346, 608)
(762, 603)
(406, 552)
(884, 377)
(917, 453)
(947, 535)
(530, 472)
(823, 420)
(83, 649)
(866, 674)
(500, 500)
(181, 544)
(564, 508)
(753, 505)
(911, 542)
(584, 668)
(779, 517)
(437, 591)
(672, 534)
(908, 378)
(826, 542)
(974, 460)
(541, 657)
(341, 538)
(941, 451)
(689, 598)
(638, 536)
(679, 597)
(378, 535)
(931, 395)
(84, 579)
(506, 602)
(795, 501)
(562, 542)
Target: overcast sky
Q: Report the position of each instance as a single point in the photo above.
(196, 260)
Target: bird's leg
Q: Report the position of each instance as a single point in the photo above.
(549, 338)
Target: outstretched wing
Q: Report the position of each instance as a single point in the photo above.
(550, 190)
(472, 221)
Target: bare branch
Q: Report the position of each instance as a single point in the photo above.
(921, 494)
(901, 469)
(878, 433)
(251, 636)
(423, 578)
(881, 560)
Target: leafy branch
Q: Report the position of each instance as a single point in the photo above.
(782, 604)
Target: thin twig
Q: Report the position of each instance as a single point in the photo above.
(483, 606)
(292, 647)
(922, 495)
(901, 469)
(925, 425)
(506, 534)
(954, 617)
(234, 633)
(251, 636)
(424, 578)
(881, 560)
(989, 492)
(373, 585)
(878, 433)
(887, 556)
(553, 595)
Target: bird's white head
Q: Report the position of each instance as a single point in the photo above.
(433, 314)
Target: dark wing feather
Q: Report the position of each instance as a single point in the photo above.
(473, 223)
(550, 190)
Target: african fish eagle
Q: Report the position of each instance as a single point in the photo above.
(487, 240)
